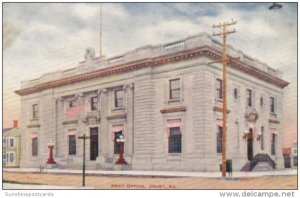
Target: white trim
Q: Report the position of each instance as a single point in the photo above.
(8, 158)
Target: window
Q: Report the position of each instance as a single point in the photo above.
(72, 145)
(273, 151)
(261, 101)
(272, 105)
(94, 103)
(34, 146)
(4, 157)
(249, 97)
(235, 94)
(11, 157)
(117, 145)
(11, 142)
(237, 129)
(219, 140)
(262, 129)
(35, 111)
(119, 98)
(4, 142)
(175, 140)
(219, 89)
(72, 103)
(174, 89)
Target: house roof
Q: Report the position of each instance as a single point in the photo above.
(12, 132)
(6, 129)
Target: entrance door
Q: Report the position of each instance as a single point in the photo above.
(94, 143)
(250, 145)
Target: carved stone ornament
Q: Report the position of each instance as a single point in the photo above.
(92, 118)
(89, 54)
(251, 115)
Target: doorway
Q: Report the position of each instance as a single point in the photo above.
(250, 145)
(94, 143)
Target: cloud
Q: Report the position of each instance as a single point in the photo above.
(44, 37)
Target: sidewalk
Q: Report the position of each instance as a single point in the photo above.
(7, 186)
(154, 173)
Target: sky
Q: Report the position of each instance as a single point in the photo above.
(45, 37)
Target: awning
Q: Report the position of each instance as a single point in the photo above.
(71, 132)
(219, 123)
(117, 128)
(33, 135)
(173, 123)
(274, 131)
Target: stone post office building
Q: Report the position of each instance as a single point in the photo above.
(166, 100)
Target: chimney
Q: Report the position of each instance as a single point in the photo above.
(15, 124)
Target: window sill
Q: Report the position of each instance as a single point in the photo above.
(177, 101)
(34, 119)
(174, 157)
(118, 108)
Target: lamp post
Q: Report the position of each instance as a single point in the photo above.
(50, 159)
(84, 137)
(121, 141)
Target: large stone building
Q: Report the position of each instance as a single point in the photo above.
(166, 100)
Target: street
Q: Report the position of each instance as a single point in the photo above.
(150, 182)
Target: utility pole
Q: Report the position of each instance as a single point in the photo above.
(223, 34)
(84, 137)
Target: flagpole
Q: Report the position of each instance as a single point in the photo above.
(101, 23)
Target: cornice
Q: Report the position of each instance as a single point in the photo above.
(70, 122)
(219, 109)
(156, 61)
(173, 110)
(116, 116)
(274, 121)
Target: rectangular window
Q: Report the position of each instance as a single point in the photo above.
(116, 144)
(35, 111)
(94, 103)
(272, 105)
(237, 129)
(72, 145)
(72, 103)
(11, 142)
(175, 140)
(273, 150)
(249, 97)
(34, 146)
(262, 138)
(219, 89)
(4, 142)
(174, 89)
(4, 157)
(118, 98)
(11, 157)
(219, 140)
